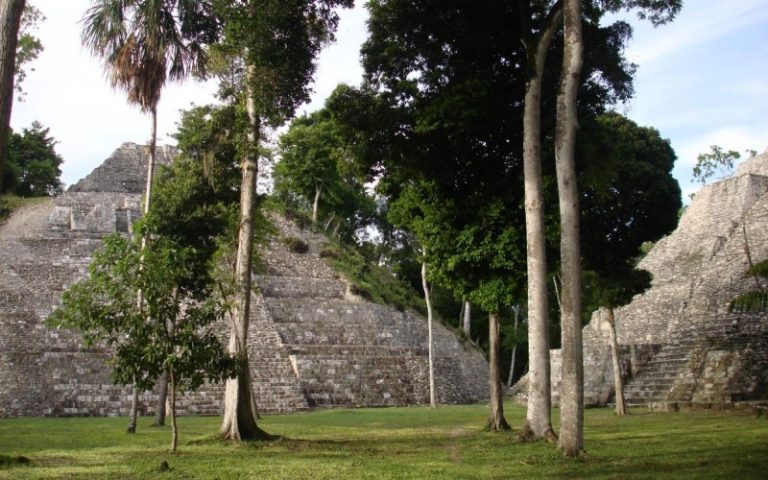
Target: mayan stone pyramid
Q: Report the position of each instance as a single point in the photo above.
(681, 347)
(311, 345)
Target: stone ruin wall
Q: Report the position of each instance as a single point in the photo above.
(310, 346)
(680, 347)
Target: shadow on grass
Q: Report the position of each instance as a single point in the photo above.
(8, 461)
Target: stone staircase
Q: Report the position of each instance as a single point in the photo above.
(350, 352)
(654, 382)
(310, 344)
(672, 378)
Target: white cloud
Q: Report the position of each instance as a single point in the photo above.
(699, 22)
(738, 138)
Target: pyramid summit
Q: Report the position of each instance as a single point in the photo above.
(310, 344)
(681, 346)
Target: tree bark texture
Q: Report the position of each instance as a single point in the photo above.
(538, 417)
(467, 320)
(240, 414)
(496, 420)
(572, 383)
(514, 350)
(10, 21)
(618, 383)
(174, 427)
(145, 239)
(315, 204)
(425, 286)
(162, 397)
(134, 412)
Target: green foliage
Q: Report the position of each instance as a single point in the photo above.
(211, 136)
(314, 160)
(28, 47)
(628, 199)
(759, 269)
(717, 163)
(171, 329)
(33, 165)
(373, 282)
(393, 443)
(10, 202)
(755, 301)
(277, 41)
(470, 251)
(750, 302)
(658, 12)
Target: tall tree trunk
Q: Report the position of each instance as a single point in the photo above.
(496, 420)
(467, 321)
(315, 204)
(572, 386)
(10, 20)
(514, 349)
(151, 155)
(134, 412)
(240, 414)
(539, 416)
(618, 383)
(162, 397)
(174, 427)
(151, 152)
(425, 286)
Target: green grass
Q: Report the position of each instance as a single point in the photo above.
(413, 442)
(10, 202)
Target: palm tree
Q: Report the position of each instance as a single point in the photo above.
(144, 43)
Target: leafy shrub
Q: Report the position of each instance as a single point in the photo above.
(330, 253)
(296, 245)
(361, 292)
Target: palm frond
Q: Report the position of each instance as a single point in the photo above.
(143, 44)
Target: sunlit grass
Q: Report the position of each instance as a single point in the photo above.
(411, 442)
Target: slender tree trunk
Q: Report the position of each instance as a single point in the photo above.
(572, 386)
(151, 154)
(425, 286)
(496, 420)
(134, 412)
(618, 383)
(328, 223)
(10, 21)
(467, 322)
(240, 413)
(162, 397)
(144, 240)
(174, 427)
(539, 416)
(315, 204)
(514, 349)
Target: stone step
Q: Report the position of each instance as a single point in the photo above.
(286, 287)
(367, 351)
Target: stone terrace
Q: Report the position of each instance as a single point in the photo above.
(310, 344)
(681, 347)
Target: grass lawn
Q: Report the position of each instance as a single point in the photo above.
(413, 442)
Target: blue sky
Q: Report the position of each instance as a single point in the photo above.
(702, 80)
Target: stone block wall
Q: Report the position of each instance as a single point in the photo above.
(308, 345)
(681, 347)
